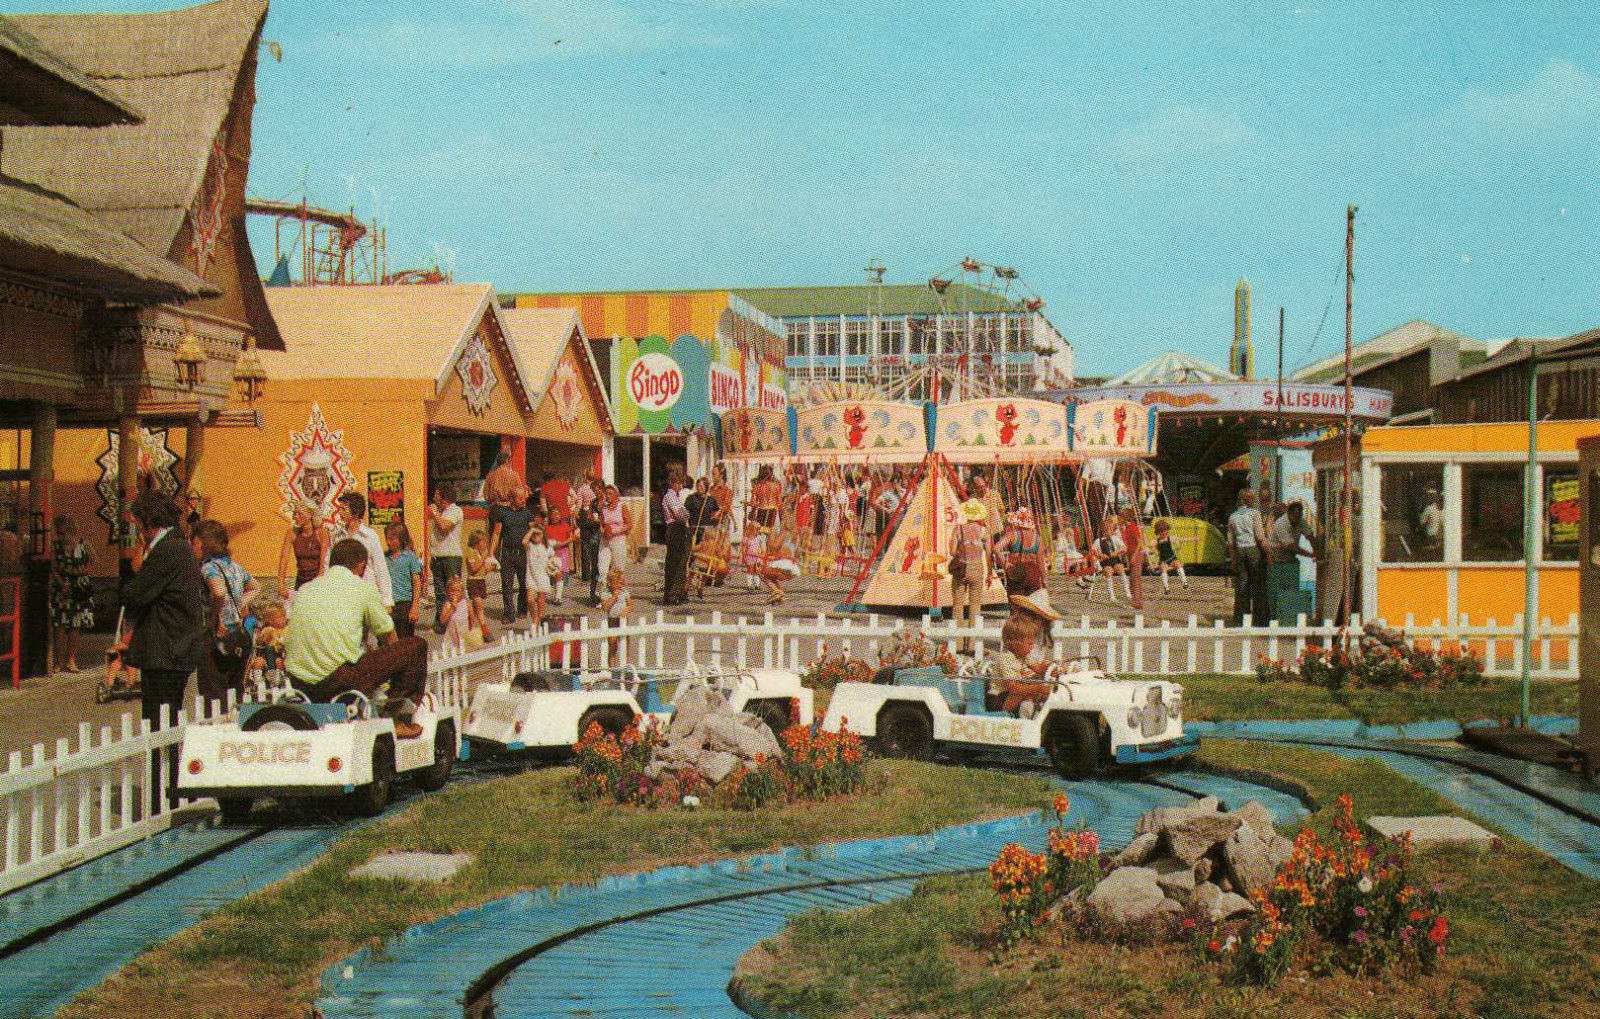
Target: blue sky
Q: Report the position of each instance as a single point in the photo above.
(1133, 161)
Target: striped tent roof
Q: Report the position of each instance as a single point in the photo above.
(1172, 368)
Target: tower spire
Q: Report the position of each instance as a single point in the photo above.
(1241, 359)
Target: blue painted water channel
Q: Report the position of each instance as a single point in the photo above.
(651, 945)
(426, 971)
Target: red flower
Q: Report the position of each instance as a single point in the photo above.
(1441, 929)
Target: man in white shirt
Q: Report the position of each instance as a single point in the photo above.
(351, 515)
(675, 515)
(1287, 539)
(1247, 541)
(444, 545)
(1431, 520)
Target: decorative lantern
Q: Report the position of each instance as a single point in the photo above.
(188, 358)
(248, 374)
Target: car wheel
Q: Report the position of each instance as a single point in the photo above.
(277, 717)
(370, 799)
(1073, 743)
(234, 809)
(435, 775)
(774, 715)
(905, 731)
(612, 721)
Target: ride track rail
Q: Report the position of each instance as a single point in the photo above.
(84, 913)
(699, 922)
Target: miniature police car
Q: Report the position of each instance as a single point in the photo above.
(1089, 720)
(548, 711)
(287, 747)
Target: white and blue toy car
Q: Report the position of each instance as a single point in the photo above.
(548, 711)
(1089, 720)
(286, 747)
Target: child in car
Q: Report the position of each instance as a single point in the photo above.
(1014, 675)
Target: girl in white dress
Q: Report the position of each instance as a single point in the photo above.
(541, 560)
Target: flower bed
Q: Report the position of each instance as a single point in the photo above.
(1348, 906)
(1376, 664)
(1351, 906)
(908, 650)
(814, 765)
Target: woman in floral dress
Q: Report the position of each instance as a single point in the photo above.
(71, 591)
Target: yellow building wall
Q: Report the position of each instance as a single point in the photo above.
(1554, 436)
(587, 427)
(1482, 594)
(385, 428)
(77, 463)
(1421, 592)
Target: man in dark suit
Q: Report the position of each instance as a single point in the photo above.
(165, 602)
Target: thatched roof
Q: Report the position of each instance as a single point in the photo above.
(38, 87)
(178, 69)
(51, 237)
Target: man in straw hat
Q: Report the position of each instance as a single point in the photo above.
(969, 566)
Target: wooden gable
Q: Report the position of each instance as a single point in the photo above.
(571, 409)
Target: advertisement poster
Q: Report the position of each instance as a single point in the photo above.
(1561, 511)
(1191, 499)
(386, 498)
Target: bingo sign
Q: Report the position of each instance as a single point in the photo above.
(655, 382)
(1112, 428)
(661, 386)
(386, 498)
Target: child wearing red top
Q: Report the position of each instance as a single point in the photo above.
(1133, 537)
(558, 531)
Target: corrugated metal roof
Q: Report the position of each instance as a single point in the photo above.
(868, 299)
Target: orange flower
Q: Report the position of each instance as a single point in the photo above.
(1061, 804)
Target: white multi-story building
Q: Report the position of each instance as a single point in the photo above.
(878, 333)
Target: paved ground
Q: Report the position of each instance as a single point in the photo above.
(50, 707)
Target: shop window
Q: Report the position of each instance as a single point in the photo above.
(891, 338)
(1561, 514)
(858, 337)
(827, 338)
(1491, 513)
(800, 338)
(1413, 513)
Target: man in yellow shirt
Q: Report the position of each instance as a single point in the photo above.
(324, 650)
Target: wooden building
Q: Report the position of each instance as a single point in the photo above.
(123, 253)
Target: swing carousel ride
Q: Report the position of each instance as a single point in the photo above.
(1058, 467)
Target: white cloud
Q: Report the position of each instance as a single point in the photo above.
(1558, 93)
(1182, 130)
(498, 34)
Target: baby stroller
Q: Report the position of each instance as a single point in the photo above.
(710, 563)
(120, 679)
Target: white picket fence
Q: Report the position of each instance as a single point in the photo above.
(1144, 647)
(83, 801)
(87, 800)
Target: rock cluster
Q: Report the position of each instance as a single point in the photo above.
(710, 738)
(1196, 860)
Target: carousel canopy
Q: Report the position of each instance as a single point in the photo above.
(1173, 366)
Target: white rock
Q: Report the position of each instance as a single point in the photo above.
(1433, 831)
(403, 866)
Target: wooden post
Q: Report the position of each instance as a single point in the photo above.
(194, 449)
(1347, 494)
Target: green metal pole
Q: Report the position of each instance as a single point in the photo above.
(1530, 532)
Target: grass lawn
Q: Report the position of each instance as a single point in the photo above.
(262, 956)
(1523, 935)
(1219, 698)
